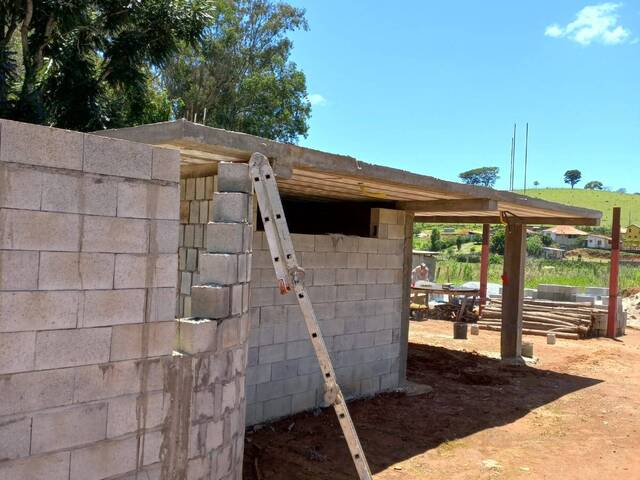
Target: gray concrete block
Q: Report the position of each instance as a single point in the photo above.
(389, 381)
(225, 237)
(24, 392)
(42, 467)
(165, 164)
(23, 311)
(366, 276)
(272, 353)
(90, 195)
(258, 374)
(151, 339)
(163, 236)
(113, 307)
(104, 460)
(210, 301)
(39, 145)
(71, 270)
(346, 276)
(140, 271)
(304, 401)
(17, 352)
(351, 292)
(367, 245)
(219, 268)
(15, 438)
(284, 370)
(369, 386)
(375, 261)
(301, 243)
(18, 270)
(20, 187)
(231, 207)
(68, 427)
(114, 235)
(121, 158)
(584, 299)
(597, 291)
(234, 177)
(145, 200)
(277, 408)
(299, 349)
(324, 276)
(29, 230)
(70, 348)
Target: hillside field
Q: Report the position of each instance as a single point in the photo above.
(595, 199)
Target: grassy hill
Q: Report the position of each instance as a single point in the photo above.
(595, 199)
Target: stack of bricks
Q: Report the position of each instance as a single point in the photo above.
(196, 195)
(213, 342)
(88, 260)
(355, 285)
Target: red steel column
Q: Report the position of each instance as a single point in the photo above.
(484, 264)
(613, 278)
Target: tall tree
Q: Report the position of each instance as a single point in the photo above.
(594, 185)
(241, 72)
(572, 177)
(485, 176)
(87, 64)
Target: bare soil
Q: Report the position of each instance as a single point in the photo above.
(574, 415)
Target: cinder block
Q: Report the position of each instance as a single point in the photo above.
(258, 374)
(301, 242)
(225, 237)
(38, 145)
(210, 301)
(151, 339)
(324, 276)
(357, 260)
(231, 207)
(123, 413)
(369, 386)
(15, 438)
(165, 164)
(20, 187)
(200, 188)
(140, 271)
(346, 276)
(190, 189)
(69, 427)
(367, 245)
(299, 349)
(366, 276)
(214, 436)
(375, 261)
(234, 177)
(205, 215)
(97, 382)
(388, 276)
(194, 211)
(162, 304)
(145, 200)
(42, 467)
(271, 353)
(304, 401)
(29, 230)
(376, 291)
(219, 268)
(18, 270)
(69, 348)
(24, 311)
(163, 236)
(114, 235)
(121, 158)
(277, 407)
(113, 307)
(82, 271)
(244, 267)
(16, 351)
(104, 460)
(196, 336)
(238, 306)
(388, 216)
(395, 232)
(87, 194)
(351, 292)
(25, 392)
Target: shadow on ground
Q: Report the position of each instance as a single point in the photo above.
(471, 393)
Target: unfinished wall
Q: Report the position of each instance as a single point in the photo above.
(90, 384)
(355, 285)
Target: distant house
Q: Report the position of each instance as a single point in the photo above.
(552, 253)
(565, 235)
(598, 241)
(631, 238)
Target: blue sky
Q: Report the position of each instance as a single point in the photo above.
(435, 87)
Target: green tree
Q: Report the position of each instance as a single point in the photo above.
(534, 246)
(536, 183)
(572, 177)
(497, 242)
(485, 176)
(594, 185)
(459, 243)
(87, 64)
(436, 243)
(241, 73)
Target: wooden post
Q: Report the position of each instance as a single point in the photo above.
(406, 294)
(515, 243)
(484, 264)
(613, 274)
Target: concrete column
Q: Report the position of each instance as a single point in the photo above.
(406, 294)
(513, 292)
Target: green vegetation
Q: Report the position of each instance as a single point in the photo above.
(485, 176)
(572, 177)
(562, 272)
(595, 199)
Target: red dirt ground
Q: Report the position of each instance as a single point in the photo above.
(574, 415)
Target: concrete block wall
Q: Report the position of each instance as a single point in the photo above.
(355, 284)
(88, 255)
(196, 206)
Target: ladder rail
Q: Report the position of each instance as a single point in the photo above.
(289, 274)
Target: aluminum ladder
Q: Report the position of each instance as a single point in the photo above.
(289, 274)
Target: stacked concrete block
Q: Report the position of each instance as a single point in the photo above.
(196, 207)
(212, 344)
(88, 261)
(559, 293)
(355, 285)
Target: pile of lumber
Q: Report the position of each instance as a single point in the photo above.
(565, 319)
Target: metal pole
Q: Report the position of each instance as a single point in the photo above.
(613, 278)
(484, 265)
(526, 152)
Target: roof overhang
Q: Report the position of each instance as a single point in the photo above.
(307, 173)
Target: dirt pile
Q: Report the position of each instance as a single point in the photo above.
(631, 305)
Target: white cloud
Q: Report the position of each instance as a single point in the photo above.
(594, 23)
(316, 99)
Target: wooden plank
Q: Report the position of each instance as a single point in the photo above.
(515, 243)
(405, 313)
(494, 220)
(464, 205)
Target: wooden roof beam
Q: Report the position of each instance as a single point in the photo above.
(454, 205)
(494, 219)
